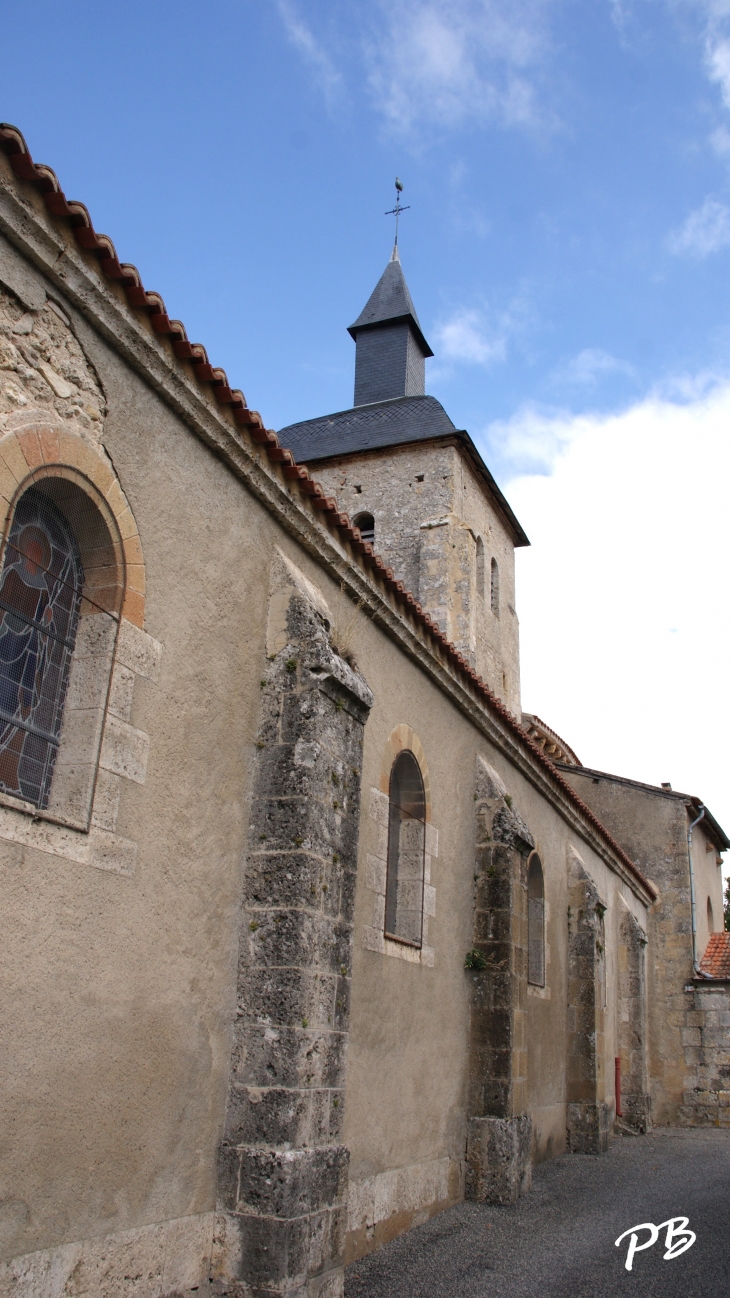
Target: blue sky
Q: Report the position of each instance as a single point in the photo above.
(567, 247)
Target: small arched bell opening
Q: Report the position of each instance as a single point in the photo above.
(535, 922)
(710, 917)
(406, 848)
(366, 523)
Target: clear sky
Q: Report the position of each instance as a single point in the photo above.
(567, 166)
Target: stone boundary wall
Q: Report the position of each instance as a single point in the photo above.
(706, 1047)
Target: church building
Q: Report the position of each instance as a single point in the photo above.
(307, 933)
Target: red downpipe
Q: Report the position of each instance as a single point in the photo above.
(617, 1083)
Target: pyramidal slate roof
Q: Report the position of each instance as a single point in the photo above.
(390, 303)
(397, 422)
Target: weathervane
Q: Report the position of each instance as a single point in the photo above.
(396, 211)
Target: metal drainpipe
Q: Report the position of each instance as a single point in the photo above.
(695, 965)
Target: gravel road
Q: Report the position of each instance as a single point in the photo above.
(558, 1241)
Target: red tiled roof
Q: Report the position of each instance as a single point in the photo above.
(716, 960)
(194, 354)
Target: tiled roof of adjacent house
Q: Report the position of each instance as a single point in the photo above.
(715, 963)
(151, 306)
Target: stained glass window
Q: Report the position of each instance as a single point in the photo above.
(40, 597)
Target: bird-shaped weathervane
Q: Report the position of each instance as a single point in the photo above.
(396, 211)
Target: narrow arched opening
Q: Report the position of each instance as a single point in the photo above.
(406, 848)
(481, 569)
(535, 922)
(494, 588)
(366, 523)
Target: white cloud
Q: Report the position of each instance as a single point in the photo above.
(444, 61)
(312, 51)
(464, 337)
(706, 230)
(479, 337)
(624, 618)
(718, 66)
(590, 366)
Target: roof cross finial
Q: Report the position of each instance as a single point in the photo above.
(396, 211)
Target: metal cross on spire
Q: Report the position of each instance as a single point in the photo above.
(396, 211)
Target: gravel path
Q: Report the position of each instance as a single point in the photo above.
(558, 1241)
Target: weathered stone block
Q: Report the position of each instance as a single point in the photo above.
(292, 1183)
(498, 1159)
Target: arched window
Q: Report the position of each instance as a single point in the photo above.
(41, 584)
(535, 922)
(710, 917)
(406, 845)
(366, 523)
(481, 574)
(495, 587)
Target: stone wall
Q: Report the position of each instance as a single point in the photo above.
(706, 1055)
(430, 509)
(499, 1132)
(651, 825)
(283, 1167)
(588, 1117)
(635, 1098)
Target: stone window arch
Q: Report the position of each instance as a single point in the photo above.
(374, 936)
(406, 851)
(535, 922)
(366, 523)
(710, 917)
(494, 587)
(481, 569)
(62, 588)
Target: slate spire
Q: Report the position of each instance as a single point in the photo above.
(390, 347)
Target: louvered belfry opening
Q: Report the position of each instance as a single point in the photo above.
(366, 523)
(406, 848)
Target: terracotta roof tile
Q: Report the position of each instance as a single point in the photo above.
(59, 207)
(716, 960)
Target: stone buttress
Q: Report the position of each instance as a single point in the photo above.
(635, 1097)
(499, 1130)
(588, 1117)
(283, 1170)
